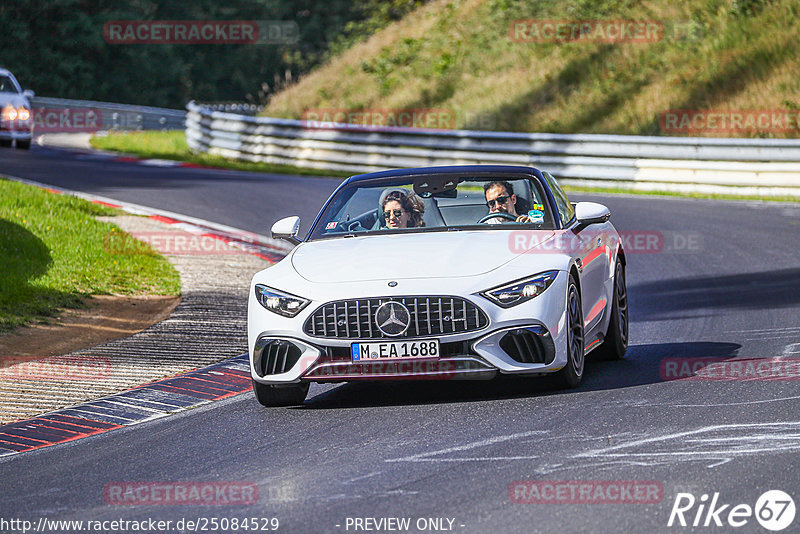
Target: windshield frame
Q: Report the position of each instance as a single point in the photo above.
(14, 84)
(533, 175)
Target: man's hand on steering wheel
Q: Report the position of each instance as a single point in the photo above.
(499, 214)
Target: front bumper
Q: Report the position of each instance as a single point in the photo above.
(528, 339)
(527, 349)
(16, 131)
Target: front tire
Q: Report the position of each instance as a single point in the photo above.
(615, 343)
(289, 395)
(24, 145)
(570, 376)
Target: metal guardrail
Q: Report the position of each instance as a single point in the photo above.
(233, 107)
(753, 166)
(63, 115)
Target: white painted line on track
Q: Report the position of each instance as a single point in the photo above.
(765, 401)
(423, 457)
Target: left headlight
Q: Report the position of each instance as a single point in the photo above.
(509, 295)
(9, 113)
(279, 302)
(23, 114)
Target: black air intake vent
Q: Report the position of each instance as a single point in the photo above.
(529, 345)
(277, 356)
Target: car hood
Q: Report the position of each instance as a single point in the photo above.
(403, 256)
(13, 99)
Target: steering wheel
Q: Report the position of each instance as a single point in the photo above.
(500, 214)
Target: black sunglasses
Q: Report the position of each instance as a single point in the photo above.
(397, 213)
(500, 200)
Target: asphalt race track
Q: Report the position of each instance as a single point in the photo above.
(719, 280)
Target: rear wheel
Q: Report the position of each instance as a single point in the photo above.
(616, 340)
(289, 395)
(571, 375)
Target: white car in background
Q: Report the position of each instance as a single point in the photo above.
(16, 118)
(455, 296)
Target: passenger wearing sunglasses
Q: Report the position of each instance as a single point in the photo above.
(402, 210)
(500, 198)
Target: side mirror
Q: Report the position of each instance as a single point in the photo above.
(287, 229)
(591, 213)
(27, 93)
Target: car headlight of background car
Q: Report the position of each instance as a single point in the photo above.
(10, 113)
(279, 302)
(509, 295)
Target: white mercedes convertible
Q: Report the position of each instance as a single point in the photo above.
(439, 273)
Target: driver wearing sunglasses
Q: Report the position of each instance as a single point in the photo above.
(402, 210)
(500, 198)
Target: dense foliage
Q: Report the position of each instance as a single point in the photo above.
(57, 48)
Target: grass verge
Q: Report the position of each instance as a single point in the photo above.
(172, 145)
(677, 194)
(53, 254)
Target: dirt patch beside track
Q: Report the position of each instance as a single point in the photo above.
(108, 317)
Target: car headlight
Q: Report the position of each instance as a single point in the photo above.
(280, 302)
(520, 291)
(9, 113)
(23, 114)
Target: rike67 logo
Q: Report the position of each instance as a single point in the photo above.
(774, 510)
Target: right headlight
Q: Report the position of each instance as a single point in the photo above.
(279, 302)
(514, 293)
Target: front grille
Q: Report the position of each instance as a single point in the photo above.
(429, 316)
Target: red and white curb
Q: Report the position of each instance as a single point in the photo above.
(79, 146)
(138, 405)
(142, 161)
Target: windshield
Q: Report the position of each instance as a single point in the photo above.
(435, 203)
(7, 85)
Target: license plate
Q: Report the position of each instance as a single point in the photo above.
(395, 350)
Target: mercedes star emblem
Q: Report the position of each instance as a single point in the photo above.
(392, 318)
